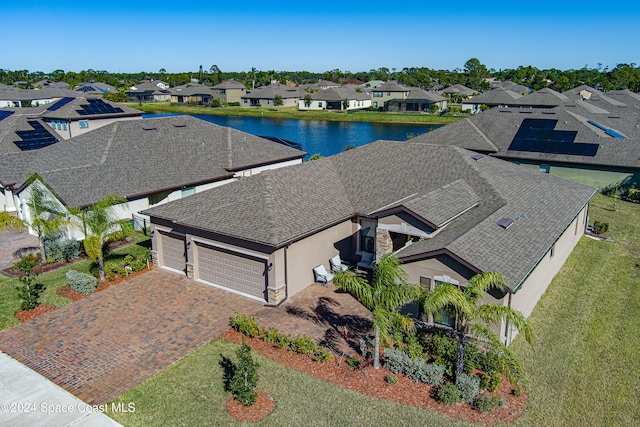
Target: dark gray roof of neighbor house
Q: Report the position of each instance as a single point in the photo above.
(494, 131)
(280, 206)
(71, 110)
(46, 82)
(96, 88)
(625, 96)
(140, 157)
(392, 86)
(546, 97)
(191, 90)
(496, 96)
(229, 84)
(417, 93)
(509, 85)
(458, 89)
(18, 121)
(152, 85)
(271, 91)
(339, 94)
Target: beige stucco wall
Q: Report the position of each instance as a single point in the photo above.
(304, 255)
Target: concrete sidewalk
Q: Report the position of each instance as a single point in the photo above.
(29, 399)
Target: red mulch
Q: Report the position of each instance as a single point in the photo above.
(260, 409)
(66, 292)
(26, 315)
(372, 382)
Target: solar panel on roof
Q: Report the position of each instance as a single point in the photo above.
(64, 101)
(87, 89)
(477, 157)
(96, 107)
(606, 130)
(5, 114)
(505, 223)
(540, 136)
(34, 139)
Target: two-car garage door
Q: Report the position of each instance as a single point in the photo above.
(231, 270)
(173, 251)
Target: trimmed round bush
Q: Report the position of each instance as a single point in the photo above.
(448, 394)
(81, 282)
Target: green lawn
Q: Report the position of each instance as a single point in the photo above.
(583, 368)
(293, 113)
(54, 280)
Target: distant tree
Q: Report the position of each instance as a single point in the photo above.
(316, 157)
(475, 73)
(116, 97)
(345, 104)
(434, 108)
(162, 71)
(277, 101)
(307, 100)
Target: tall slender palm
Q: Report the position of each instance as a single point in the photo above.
(45, 215)
(475, 319)
(388, 291)
(101, 226)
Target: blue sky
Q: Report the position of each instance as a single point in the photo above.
(131, 36)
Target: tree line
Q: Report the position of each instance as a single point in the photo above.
(473, 75)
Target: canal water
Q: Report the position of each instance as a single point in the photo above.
(316, 136)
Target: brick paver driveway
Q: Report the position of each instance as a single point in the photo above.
(12, 241)
(101, 346)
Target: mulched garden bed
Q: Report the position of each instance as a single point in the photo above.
(372, 382)
(260, 409)
(26, 315)
(66, 292)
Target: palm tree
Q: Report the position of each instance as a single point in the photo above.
(384, 296)
(101, 226)
(475, 319)
(46, 218)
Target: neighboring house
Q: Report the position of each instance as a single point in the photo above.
(153, 91)
(458, 89)
(23, 129)
(543, 98)
(493, 98)
(229, 91)
(448, 212)
(192, 93)
(94, 88)
(388, 91)
(334, 98)
(320, 85)
(50, 83)
(578, 140)
(509, 85)
(372, 84)
(150, 162)
(72, 117)
(418, 101)
(14, 97)
(265, 95)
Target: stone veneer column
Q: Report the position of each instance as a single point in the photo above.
(154, 258)
(384, 244)
(276, 295)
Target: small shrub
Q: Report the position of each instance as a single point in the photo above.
(391, 379)
(428, 373)
(517, 390)
(469, 387)
(413, 348)
(486, 404)
(128, 259)
(354, 362)
(29, 291)
(321, 355)
(81, 282)
(62, 250)
(10, 221)
(634, 194)
(366, 346)
(600, 227)
(397, 361)
(245, 377)
(269, 334)
(138, 264)
(303, 344)
(111, 276)
(491, 381)
(448, 394)
(245, 324)
(283, 340)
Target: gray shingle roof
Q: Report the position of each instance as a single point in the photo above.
(458, 89)
(338, 94)
(271, 91)
(139, 157)
(229, 84)
(280, 206)
(542, 98)
(391, 86)
(496, 96)
(419, 94)
(70, 110)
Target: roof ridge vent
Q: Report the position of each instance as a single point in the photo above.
(149, 127)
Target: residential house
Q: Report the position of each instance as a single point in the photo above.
(418, 101)
(94, 88)
(493, 98)
(23, 129)
(265, 95)
(192, 93)
(15, 97)
(150, 162)
(335, 99)
(78, 115)
(578, 140)
(388, 91)
(543, 98)
(320, 85)
(229, 91)
(509, 85)
(150, 91)
(458, 90)
(448, 213)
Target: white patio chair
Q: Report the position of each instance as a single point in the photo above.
(321, 275)
(337, 264)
